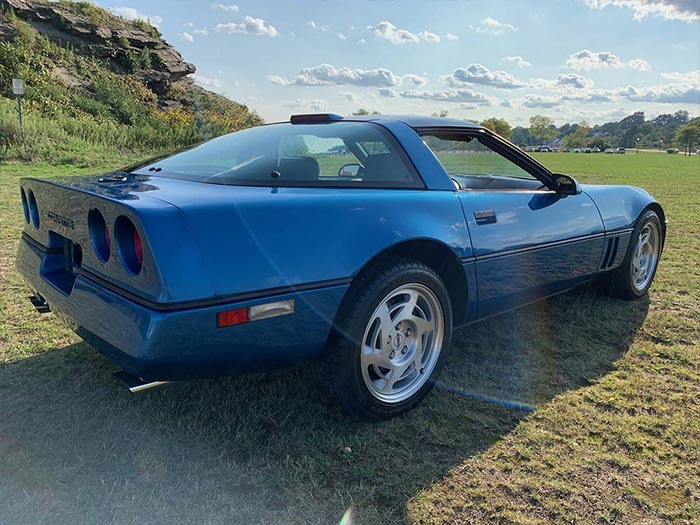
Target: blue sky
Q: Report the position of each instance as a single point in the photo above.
(596, 60)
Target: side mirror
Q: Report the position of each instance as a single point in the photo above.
(565, 185)
(350, 170)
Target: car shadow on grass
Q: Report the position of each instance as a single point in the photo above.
(267, 448)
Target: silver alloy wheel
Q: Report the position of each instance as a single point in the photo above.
(402, 343)
(646, 256)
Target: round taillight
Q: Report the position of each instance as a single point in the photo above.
(99, 235)
(129, 245)
(33, 208)
(25, 205)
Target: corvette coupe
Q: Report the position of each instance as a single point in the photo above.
(352, 246)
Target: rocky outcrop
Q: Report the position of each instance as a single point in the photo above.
(129, 46)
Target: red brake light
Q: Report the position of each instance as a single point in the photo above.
(232, 317)
(138, 247)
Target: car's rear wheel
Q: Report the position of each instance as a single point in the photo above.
(633, 278)
(389, 341)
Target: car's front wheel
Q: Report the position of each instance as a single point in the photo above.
(633, 278)
(389, 341)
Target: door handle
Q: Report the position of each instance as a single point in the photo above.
(485, 216)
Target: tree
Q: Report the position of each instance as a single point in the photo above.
(443, 114)
(539, 128)
(499, 126)
(579, 138)
(689, 135)
(363, 111)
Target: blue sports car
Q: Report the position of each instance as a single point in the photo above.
(353, 246)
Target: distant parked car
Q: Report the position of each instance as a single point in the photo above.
(609, 151)
(672, 151)
(565, 150)
(587, 150)
(596, 150)
(545, 149)
(576, 150)
(620, 151)
(531, 148)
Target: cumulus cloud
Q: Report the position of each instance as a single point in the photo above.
(494, 27)
(505, 103)
(393, 34)
(417, 80)
(684, 10)
(327, 75)
(341, 36)
(186, 37)
(683, 93)
(249, 26)
(132, 14)
(517, 60)
(450, 95)
(586, 60)
(387, 92)
(450, 36)
(691, 76)
(572, 80)
(207, 82)
(479, 74)
(201, 32)
(429, 37)
(231, 8)
(533, 102)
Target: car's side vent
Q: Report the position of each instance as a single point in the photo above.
(610, 253)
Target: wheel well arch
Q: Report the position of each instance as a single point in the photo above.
(437, 256)
(656, 207)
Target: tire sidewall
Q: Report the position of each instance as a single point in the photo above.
(377, 290)
(646, 218)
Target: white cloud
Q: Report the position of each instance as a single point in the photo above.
(132, 14)
(450, 36)
(186, 37)
(201, 32)
(362, 41)
(505, 103)
(517, 60)
(393, 34)
(572, 80)
(387, 92)
(341, 36)
(683, 93)
(231, 8)
(691, 76)
(479, 74)
(327, 75)
(417, 80)
(207, 82)
(586, 60)
(429, 37)
(316, 26)
(350, 96)
(685, 10)
(639, 64)
(541, 102)
(306, 104)
(249, 26)
(494, 27)
(450, 95)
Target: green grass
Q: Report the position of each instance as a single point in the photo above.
(615, 437)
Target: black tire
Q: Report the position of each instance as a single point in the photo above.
(619, 282)
(340, 372)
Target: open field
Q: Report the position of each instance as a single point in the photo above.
(614, 437)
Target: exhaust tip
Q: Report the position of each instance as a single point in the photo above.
(38, 301)
(134, 383)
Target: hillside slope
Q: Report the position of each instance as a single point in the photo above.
(97, 84)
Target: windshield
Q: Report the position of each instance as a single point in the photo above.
(330, 154)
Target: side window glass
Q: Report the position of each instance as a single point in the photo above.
(470, 158)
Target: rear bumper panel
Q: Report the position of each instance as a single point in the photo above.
(185, 344)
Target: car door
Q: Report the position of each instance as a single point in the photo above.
(528, 241)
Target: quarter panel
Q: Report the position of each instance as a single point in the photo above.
(619, 206)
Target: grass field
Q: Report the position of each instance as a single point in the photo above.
(614, 436)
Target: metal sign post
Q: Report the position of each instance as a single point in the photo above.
(18, 89)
